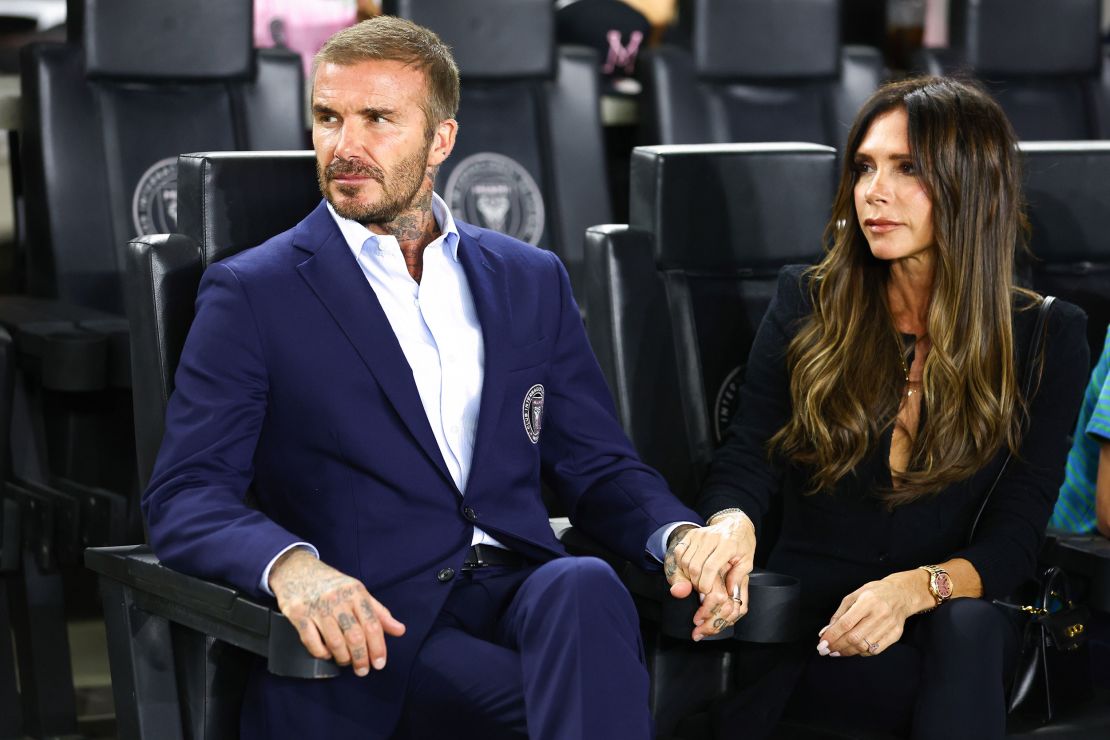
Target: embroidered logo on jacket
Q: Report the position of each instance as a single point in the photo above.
(533, 412)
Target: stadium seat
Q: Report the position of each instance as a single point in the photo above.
(1065, 186)
(674, 299)
(104, 116)
(529, 160)
(757, 72)
(1044, 63)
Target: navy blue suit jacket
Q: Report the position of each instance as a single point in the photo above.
(293, 385)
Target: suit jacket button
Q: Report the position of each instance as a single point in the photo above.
(470, 514)
(445, 575)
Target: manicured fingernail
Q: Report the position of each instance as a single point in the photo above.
(823, 647)
(361, 671)
(701, 598)
(379, 663)
(834, 654)
(823, 630)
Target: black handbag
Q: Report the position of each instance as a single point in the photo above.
(1053, 670)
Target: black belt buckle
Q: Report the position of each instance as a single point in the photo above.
(484, 556)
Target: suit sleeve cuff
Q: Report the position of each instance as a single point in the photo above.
(657, 543)
(264, 584)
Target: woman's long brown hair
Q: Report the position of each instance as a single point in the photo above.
(846, 377)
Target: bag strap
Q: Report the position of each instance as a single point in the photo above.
(1036, 347)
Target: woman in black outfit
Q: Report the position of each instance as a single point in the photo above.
(882, 396)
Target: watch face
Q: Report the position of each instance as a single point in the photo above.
(943, 585)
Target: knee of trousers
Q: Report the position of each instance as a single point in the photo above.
(968, 626)
(587, 579)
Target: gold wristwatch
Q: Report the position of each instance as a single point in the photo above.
(940, 583)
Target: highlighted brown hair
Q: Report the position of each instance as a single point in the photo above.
(846, 378)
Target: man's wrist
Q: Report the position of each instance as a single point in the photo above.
(677, 534)
(723, 513)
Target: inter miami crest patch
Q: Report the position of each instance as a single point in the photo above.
(154, 205)
(533, 412)
(496, 192)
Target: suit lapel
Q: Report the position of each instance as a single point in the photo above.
(335, 277)
(490, 288)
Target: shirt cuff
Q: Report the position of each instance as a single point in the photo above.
(265, 582)
(657, 543)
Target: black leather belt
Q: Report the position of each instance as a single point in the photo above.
(483, 556)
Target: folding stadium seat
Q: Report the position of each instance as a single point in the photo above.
(675, 298)
(104, 117)
(1044, 63)
(1066, 185)
(757, 71)
(529, 160)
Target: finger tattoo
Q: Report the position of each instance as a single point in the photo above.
(346, 621)
(719, 623)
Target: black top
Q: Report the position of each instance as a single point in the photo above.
(837, 541)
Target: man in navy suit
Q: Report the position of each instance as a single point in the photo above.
(390, 383)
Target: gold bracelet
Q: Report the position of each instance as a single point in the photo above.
(722, 512)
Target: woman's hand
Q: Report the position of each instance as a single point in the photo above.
(871, 618)
(715, 560)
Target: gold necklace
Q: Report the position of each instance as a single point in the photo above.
(912, 386)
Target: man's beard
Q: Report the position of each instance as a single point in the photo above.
(398, 189)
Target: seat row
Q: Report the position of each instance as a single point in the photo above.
(673, 298)
(530, 162)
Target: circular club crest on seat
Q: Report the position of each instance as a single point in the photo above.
(496, 192)
(154, 204)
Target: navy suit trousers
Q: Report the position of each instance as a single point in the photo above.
(543, 652)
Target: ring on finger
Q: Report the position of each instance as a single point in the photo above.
(872, 647)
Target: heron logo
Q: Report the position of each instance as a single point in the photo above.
(154, 205)
(496, 192)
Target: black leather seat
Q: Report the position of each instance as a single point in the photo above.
(1044, 63)
(1065, 187)
(674, 299)
(529, 159)
(178, 645)
(675, 296)
(757, 71)
(104, 116)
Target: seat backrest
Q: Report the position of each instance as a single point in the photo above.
(1066, 186)
(228, 201)
(529, 160)
(1043, 62)
(758, 71)
(675, 297)
(106, 114)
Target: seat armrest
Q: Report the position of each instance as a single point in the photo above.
(210, 608)
(773, 615)
(70, 348)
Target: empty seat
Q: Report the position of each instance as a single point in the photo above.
(758, 71)
(1044, 63)
(1066, 184)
